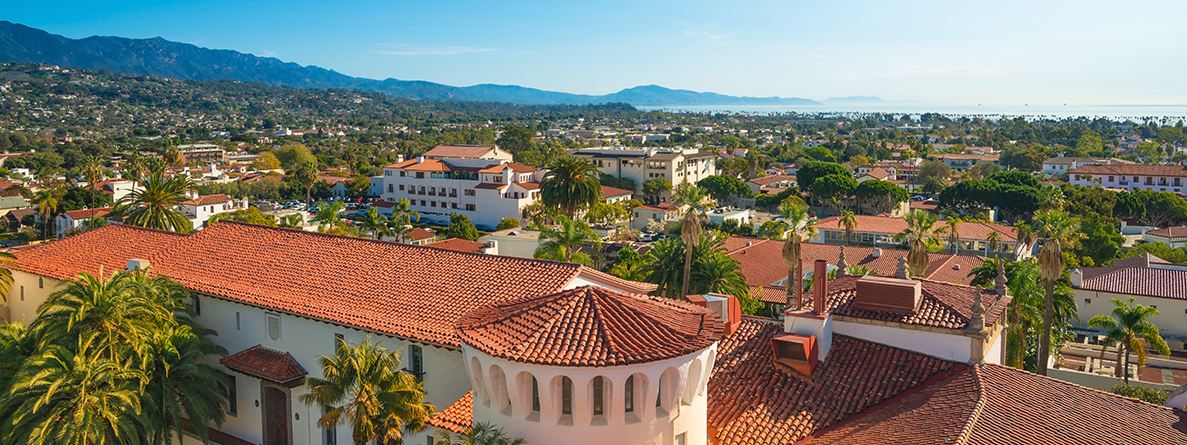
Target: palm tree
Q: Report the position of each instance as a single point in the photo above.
(402, 218)
(1025, 234)
(563, 241)
(571, 184)
(363, 384)
(329, 216)
(375, 223)
(661, 267)
(1132, 332)
(921, 235)
(75, 397)
(849, 221)
(46, 201)
(157, 204)
(92, 170)
(719, 273)
(292, 221)
(796, 216)
(484, 433)
(16, 345)
(182, 386)
(306, 175)
(111, 309)
(952, 229)
(690, 227)
(1058, 230)
(992, 241)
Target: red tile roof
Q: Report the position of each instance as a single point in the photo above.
(771, 179)
(418, 234)
(514, 166)
(590, 326)
(944, 305)
(892, 225)
(490, 186)
(762, 261)
(265, 363)
(1146, 281)
(459, 245)
(86, 213)
(458, 417)
(208, 200)
(406, 291)
(528, 185)
(1170, 232)
(753, 401)
(612, 191)
(459, 151)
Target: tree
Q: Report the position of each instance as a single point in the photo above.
(173, 158)
(849, 221)
(484, 433)
(1015, 177)
(1148, 395)
(798, 231)
(725, 188)
(921, 235)
(719, 273)
(690, 196)
(820, 154)
(603, 213)
(250, 215)
(1129, 328)
(460, 227)
(992, 241)
(983, 169)
(156, 204)
(654, 188)
(375, 223)
(1057, 230)
(1161, 207)
(92, 171)
(834, 186)
(952, 229)
(571, 184)
(616, 182)
(329, 216)
(182, 386)
(295, 155)
(306, 175)
(881, 196)
(363, 384)
(562, 242)
(46, 201)
(507, 223)
(1159, 249)
(517, 139)
(402, 218)
(1102, 241)
(628, 265)
(935, 169)
(808, 174)
(265, 161)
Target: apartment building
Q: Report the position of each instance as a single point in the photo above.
(202, 154)
(1062, 164)
(644, 164)
(485, 190)
(1158, 178)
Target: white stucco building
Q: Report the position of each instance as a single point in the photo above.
(1158, 178)
(677, 165)
(485, 190)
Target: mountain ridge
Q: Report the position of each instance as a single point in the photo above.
(160, 57)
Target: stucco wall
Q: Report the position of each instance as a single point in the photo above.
(1172, 318)
(951, 347)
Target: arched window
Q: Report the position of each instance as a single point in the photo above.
(628, 401)
(535, 395)
(566, 396)
(598, 401)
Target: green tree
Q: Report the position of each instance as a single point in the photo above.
(1129, 328)
(295, 155)
(484, 433)
(46, 201)
(378, 225)
(840, 187)
(689, 196)
(849, 221)
(628, 265)
(306, 175)
(820, 154)
(181, 385)
(570, 185)
(92, 170)
(725, 188)
(266, 161)
(881, 196)
(1148, 395)
(562, 242)
(364, 387)
(460, 227)
(1158, 249)
(517, 139)
(329, 216)
(921, 235)
(1058, 231)
(402, 218)
(157, 203)
(622, 183)
(1161, 207)
(652, 189)
(250, 215)
(983, 169)
(935, 169)
(952, 231)
(808, 173)
(507, 223)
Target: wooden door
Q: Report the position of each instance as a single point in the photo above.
(277, 429)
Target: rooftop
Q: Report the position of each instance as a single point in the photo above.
(457, 417)
(459, 151)
(265, 363)
(612, 191)
(892, 225)
(208, 200)
(1179, 232)
(1137, 280)
(1131, 169)
(944, 305)
(590, 326)
(459, 245)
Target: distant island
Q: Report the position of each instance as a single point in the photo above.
(160, 57)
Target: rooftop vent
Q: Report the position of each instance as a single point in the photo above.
(888, 294)
(135, 264)
(796, 351)
(876, 253)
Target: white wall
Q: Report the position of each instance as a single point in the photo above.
(1172, 318)
(950, 347)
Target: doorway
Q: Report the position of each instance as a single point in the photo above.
(278, 430)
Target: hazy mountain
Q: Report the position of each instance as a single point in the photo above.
(160, 57)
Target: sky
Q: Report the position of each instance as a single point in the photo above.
(1083, 52)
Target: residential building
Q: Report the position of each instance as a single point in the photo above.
(678, 165)
(880, 231)
(202, 154)
(963, 161)
(612, 195)
(742, 216)
(376, 188)
(118, 188)
(485, 190)
(1174, 236)
(664, 212)
(771, 184)
(201, 208)
(1062, 164)
(1149, 280)
(462, 245)
(1158, 178)
(69, 222)
(517, 242)
(420, 237)
(10, 203)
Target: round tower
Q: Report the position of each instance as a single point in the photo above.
(592, 366)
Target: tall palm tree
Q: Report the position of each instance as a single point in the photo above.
(921, 235)
(952, 230)
(157, 204)
(306, 175)
(16, 345)
(1130, 329)
(563, 241)
(1026, 234)
(46, 201)
(796, 216)
(690, 227)
(719, 273)
(75, 397)
(375, 223)
(849, 222)
(92, 171)
(484, 433)
(364, 385)
(570, 185)
(1057, 230)
(992, 241)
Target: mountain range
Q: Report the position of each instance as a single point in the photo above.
(160, 57)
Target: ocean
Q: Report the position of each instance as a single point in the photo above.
(1137, 113)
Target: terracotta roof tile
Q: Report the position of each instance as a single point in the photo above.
(459, 151)
(944, 305)
(1130, 169)
(1170, 232)
(109, 247)
(612, 191)
(1147, 281)
(528, 185)
(892, 225)
(753, 401)
(459, 245)
(514, 166)
(590, 326)
(265, 363)
(458, 417)
(418, 234)
(86, 213)
(771, 179)
(208, 200)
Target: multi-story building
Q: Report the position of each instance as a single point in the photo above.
(202, 154)
(485, 190)
(964, 161)
(644, 164)
(1062, 164)
(1158, 178)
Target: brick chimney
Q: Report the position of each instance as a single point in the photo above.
(819, 286)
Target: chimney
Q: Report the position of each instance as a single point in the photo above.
(420, 159)
(399, 158)
(820, 286)
(135, 264)
(876, 253)
(1077, 278)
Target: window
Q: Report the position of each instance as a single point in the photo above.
(1087, 301)
(391, 189)
(401, 187)
(402, 174)
(331, 433)
(453, 205)
(422, 203)
(628, 401)
(598, 386)
(417, 362)
(196, 305)
(535, 395)
(236, 321)
(232, 396)
(566, 396)
(433, 203)
(470, 207)
(470, 192)
(41, 282)
(420, 175)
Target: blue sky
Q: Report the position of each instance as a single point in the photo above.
(952, 52)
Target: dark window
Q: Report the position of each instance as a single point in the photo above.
(535, 395)
(197, 305)
(420, 175)
(470, 207)
(402, 173)
(232, 396)
(628, 401)
(22, 293)
(418, 362)
(566, 396)
(597, 395)
(1087, 301)
(469, 192)
(236, 321)
(40, 283)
